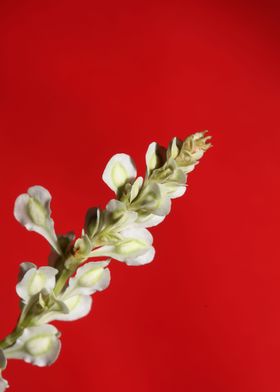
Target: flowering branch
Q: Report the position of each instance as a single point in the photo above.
(62, 290)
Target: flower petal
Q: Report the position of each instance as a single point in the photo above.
(155, 157)
(149, 220)
(32, 210)
(135, 242)
(143, 259)
(89, 278)
(119, 170)
(79, 306)
(34, 280)
(37, 345)
(23, 268)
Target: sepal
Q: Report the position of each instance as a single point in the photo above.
(91, 277)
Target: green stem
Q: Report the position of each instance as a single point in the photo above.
(11, 338)
(64, 276)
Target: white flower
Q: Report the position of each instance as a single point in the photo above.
(134, 247)
(91, 277)
(34, 280)
(77, 305)
(119, 170)
(32, 210)
(37, 345)
(152, 199)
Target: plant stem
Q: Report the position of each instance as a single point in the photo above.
(64, 276)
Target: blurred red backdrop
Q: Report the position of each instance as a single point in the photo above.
(83, 80)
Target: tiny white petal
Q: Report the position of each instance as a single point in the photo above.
(34, 280)
(139, 234)
(176, 191)
(143, 259)
(37, 345)
(135, 242)
(155, 157)
(149, 220)
(41, 194)
(164, 205)
(24, 267)
(78, 305)
(91, 277)
(119, 170)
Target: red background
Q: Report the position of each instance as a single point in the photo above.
(82, 80)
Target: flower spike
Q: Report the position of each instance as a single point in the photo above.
(63, 290)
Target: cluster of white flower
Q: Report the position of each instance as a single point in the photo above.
(63, 290)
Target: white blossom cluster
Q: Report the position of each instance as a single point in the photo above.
(63, 290)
